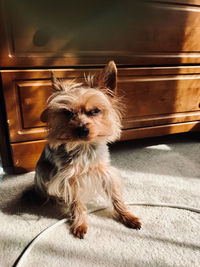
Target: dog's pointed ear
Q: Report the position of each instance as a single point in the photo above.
(108, 77)
(56, 83)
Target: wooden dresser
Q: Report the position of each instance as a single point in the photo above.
(155, 44)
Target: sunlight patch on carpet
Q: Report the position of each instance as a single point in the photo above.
(160, 147)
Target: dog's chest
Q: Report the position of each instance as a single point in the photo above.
(83, 159)
(86, 167)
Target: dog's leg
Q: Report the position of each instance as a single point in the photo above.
(79, 225)
(121, 210)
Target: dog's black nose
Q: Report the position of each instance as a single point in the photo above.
(82, 131)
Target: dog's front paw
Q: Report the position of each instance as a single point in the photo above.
(131, 221)
(80, 231)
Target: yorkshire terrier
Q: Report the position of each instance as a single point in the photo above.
(75, 165)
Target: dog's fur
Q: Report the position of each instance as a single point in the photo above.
(74, 165)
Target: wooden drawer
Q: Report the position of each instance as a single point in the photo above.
(148, 32)
(156, 100)
(153, 97)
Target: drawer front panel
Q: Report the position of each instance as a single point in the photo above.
(33, 96)
(160, 95)
(148, 32)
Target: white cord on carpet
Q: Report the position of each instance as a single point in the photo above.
(50, 228)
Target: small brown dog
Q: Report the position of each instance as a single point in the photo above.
(75, 165)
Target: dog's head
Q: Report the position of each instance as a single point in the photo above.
(84, 113)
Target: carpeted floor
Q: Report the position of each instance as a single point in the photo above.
(157, 170)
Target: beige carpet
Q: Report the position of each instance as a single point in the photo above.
(157, 170)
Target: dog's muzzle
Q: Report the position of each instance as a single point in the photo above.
(82, 132)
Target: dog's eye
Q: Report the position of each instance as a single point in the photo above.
(93, 112)
(68, 114)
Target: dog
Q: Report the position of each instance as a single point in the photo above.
(74, 166)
